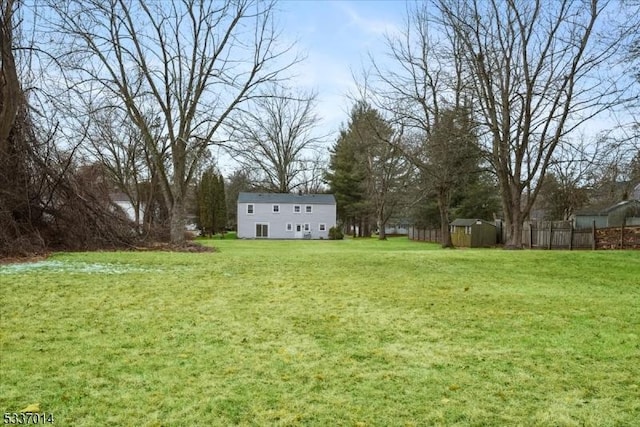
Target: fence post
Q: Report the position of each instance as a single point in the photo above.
(550, 234)
(571, 237)
(530, 235)
(593, 236)
(624, 220)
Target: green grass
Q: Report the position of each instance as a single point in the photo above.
(354, 332)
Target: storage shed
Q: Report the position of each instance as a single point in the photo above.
(473, 233)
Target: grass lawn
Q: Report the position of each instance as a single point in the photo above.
(325, 333)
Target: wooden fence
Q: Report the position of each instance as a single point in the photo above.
(425, 235)
(559, 235)
(556, 235)
(563, 235)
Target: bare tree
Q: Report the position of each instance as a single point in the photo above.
(193, 61)
(425, 77)
(119, 149)
(538, 70)
(312, 177)
(275, 138)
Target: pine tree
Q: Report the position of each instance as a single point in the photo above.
(206, 202)
(220, 206)
(367, 171)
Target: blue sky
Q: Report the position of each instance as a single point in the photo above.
(336, 37)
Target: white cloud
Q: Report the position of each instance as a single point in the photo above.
(368, 25)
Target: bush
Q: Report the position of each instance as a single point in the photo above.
(335, 234)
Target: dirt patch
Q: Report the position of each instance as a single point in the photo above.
(20, 260)
(190, 247)
(169, 247)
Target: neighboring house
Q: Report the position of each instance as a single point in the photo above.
(123, 202)
(473, 233)
(285, 216)
(612, 216)
(398, 228)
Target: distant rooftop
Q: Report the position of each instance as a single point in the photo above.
(309, 199)
(604, 211)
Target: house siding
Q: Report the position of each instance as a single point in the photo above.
(627, 212)
(277, 222)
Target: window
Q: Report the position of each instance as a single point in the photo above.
(307, 227)
(467, 229)
(297, 209)
(249, 209)
(262, 230)
(276, 208)
(322, 227)
(289, 227)
(307, 209)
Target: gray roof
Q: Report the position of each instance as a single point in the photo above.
(594, 211)
(466, 222)
(308, 199)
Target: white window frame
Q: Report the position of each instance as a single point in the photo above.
(298, 207)
(251, 209)
(307, 227)
(275, 209)
(308, 209)
(322, 227)
(289, 226)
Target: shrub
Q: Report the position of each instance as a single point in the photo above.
(335, 234)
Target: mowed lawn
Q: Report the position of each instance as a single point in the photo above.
(324, 333)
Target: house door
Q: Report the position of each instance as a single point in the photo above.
(262, 230)
(298, 234)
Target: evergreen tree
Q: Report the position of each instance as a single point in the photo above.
(346, 179)
(220, 206)
(206, 202)
(366, 171)
(211, 200)
(447, 159)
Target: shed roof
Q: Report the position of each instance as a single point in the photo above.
(466, 222)
(309, 199)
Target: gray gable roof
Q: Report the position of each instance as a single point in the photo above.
(308, 199)
(606, 211)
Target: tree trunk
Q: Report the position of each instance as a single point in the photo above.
(382, 234)
(9, 83)
(177, 222)
(514, 225)
(443, 207)
(514, 221)
(382, 222)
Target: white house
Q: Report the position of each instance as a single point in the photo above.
(123, 202)
(285, 216)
